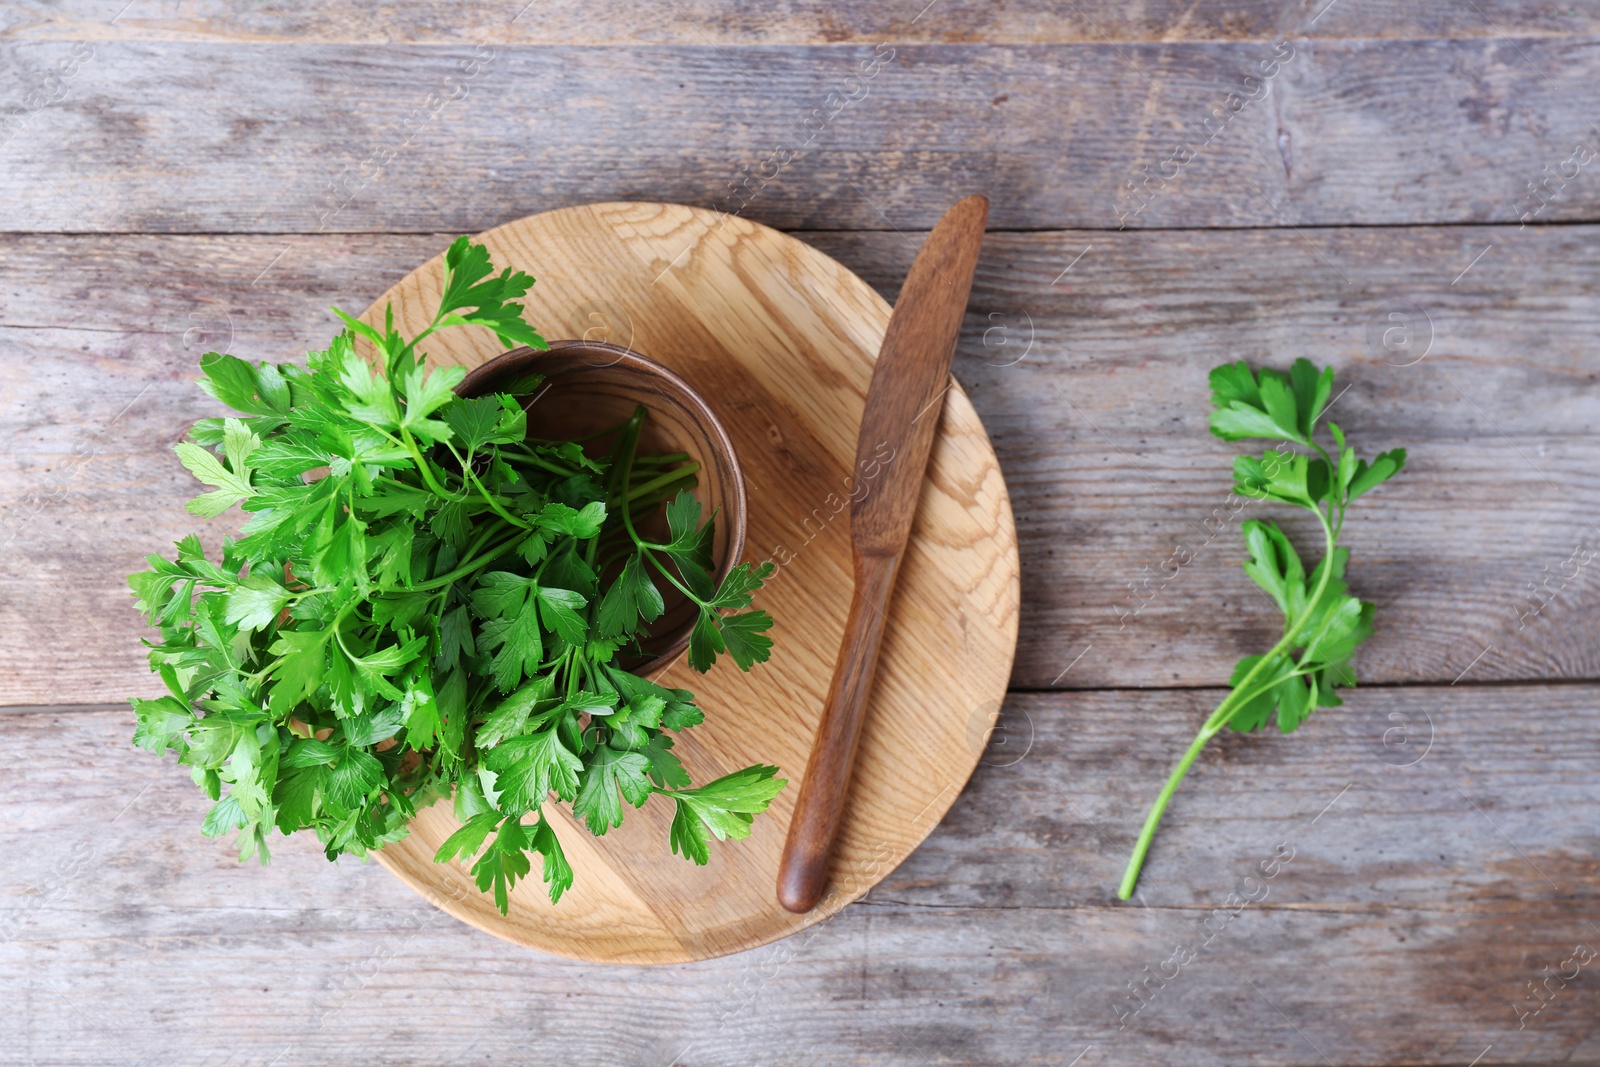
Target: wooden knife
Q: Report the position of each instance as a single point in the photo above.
(904, 402)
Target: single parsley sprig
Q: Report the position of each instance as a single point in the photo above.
(1323, 623)
(427, 600)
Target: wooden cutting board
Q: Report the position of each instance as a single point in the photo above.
(781, 340)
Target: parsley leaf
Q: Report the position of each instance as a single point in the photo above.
(745, 637)
(232, 482)
(607, 772)
(428, 599)
(252, 388)
(725, 807)
(467, 266)
(517, 648)
(737, 588)
(631, 598)
(527, 768)
(467, 840)
(1323, 623)
(559, 612)
(484, 421)
(425, 393)
(503, 862)
(354, 774)
(705, 642)
(557, 871)
(255, 602)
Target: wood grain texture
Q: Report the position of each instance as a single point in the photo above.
(1405, 928)
(1090, 383)
(204, 137)
(795, 22)
(781, 340)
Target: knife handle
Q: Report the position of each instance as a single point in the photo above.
(803, 874)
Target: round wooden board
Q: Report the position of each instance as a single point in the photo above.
(781, 340)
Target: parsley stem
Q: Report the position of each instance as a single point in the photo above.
(264, 671)
(469, 475)
(412, 345)
(493, 502)
(645, 546)
(1225, 712)
(488, 531)
(644, 550)
(1335, 498)
(572, 675)
(488, 556)
(422, 465)
(661, 459)
(622, 456)
(538, 461)
(621, 477)
(627, 517)
(662, 481)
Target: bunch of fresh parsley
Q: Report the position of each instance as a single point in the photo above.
(428, 601)
(1323, 623)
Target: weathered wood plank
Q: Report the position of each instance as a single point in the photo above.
(1100, 427)
(1405, 796)
(1405, 927)
(205, 137)
(728, 23)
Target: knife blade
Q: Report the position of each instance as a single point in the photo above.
(904, 401)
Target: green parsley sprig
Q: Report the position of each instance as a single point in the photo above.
(426, 601)
(1323, 623)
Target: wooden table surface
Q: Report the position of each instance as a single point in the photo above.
(1402, 190)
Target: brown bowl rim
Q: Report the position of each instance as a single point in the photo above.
(476, 383)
